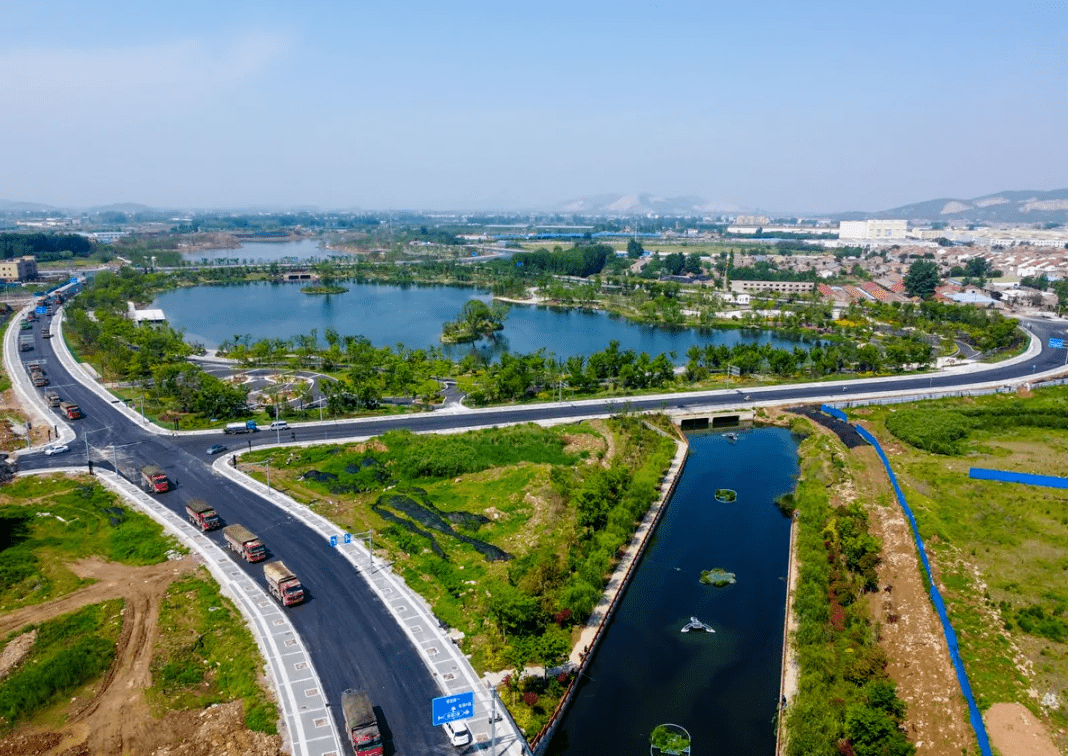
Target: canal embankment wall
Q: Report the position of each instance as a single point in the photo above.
(602, 614)
(789, 667)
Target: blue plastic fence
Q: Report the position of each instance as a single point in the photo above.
(936, 597)
(1007, 476)
(829, 410)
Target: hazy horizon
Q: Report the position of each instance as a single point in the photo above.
(477, 106)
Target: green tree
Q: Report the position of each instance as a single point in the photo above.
(553, 647)
(635, 249)
(922, 279)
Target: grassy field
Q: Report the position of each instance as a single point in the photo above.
(206, 655)
(999, 550)
(68, 652)
(46, 522)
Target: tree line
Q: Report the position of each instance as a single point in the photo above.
(45, 247)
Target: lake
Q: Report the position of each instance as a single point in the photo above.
(413, 315)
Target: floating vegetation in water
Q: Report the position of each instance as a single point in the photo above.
(669, 739)
(726, 495)
(717, 577)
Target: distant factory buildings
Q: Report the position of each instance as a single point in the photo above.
(870, 230)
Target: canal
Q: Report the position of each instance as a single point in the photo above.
(723, 687)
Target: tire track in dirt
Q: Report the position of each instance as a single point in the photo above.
(115, 719)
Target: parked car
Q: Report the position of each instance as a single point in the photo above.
(457, 733)
(56, 449)
(216, 449)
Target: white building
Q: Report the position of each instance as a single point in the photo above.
(872, 229)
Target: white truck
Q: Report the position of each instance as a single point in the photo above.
(283, 584)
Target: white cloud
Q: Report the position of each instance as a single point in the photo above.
(139, 82)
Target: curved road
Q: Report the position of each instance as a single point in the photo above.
(351, 636)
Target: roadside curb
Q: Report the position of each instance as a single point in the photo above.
(298, 691)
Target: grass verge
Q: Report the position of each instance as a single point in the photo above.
(205, 654)
(68, 652)
(48, 521)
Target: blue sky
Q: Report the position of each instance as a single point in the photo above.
(781, 106)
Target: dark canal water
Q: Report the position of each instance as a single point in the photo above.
(413, 316)
(722, 687)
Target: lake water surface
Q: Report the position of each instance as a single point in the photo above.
(413, 315)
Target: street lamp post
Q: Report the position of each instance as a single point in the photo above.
(114, 454)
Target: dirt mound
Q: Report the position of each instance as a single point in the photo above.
(217, 731)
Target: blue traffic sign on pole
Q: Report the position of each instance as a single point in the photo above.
(40, 310)
(1056, 343)
(348, 538)
(450, 708)
(333, 541)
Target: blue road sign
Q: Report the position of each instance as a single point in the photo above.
(40, 310)
(348, 538)
(1056, 343)
(73, 280)
(450, 708)
(333, 541)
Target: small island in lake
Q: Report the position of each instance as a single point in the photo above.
(726, 495)
(477, 319)
(323, 290)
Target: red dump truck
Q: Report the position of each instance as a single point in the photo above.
(202, 514)
(361, 723)
(154, 480)
(70, 410)
(244, 543)
(283, 584)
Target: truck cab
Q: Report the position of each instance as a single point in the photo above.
(154, 479)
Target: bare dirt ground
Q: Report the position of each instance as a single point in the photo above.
(1015, 731)
(11, 415)
(112, 717)
(937, 718)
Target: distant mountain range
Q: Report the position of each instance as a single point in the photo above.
(1018, 206)
(645, 204)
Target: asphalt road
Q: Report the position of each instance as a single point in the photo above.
(1048, 359)
(353, 639)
